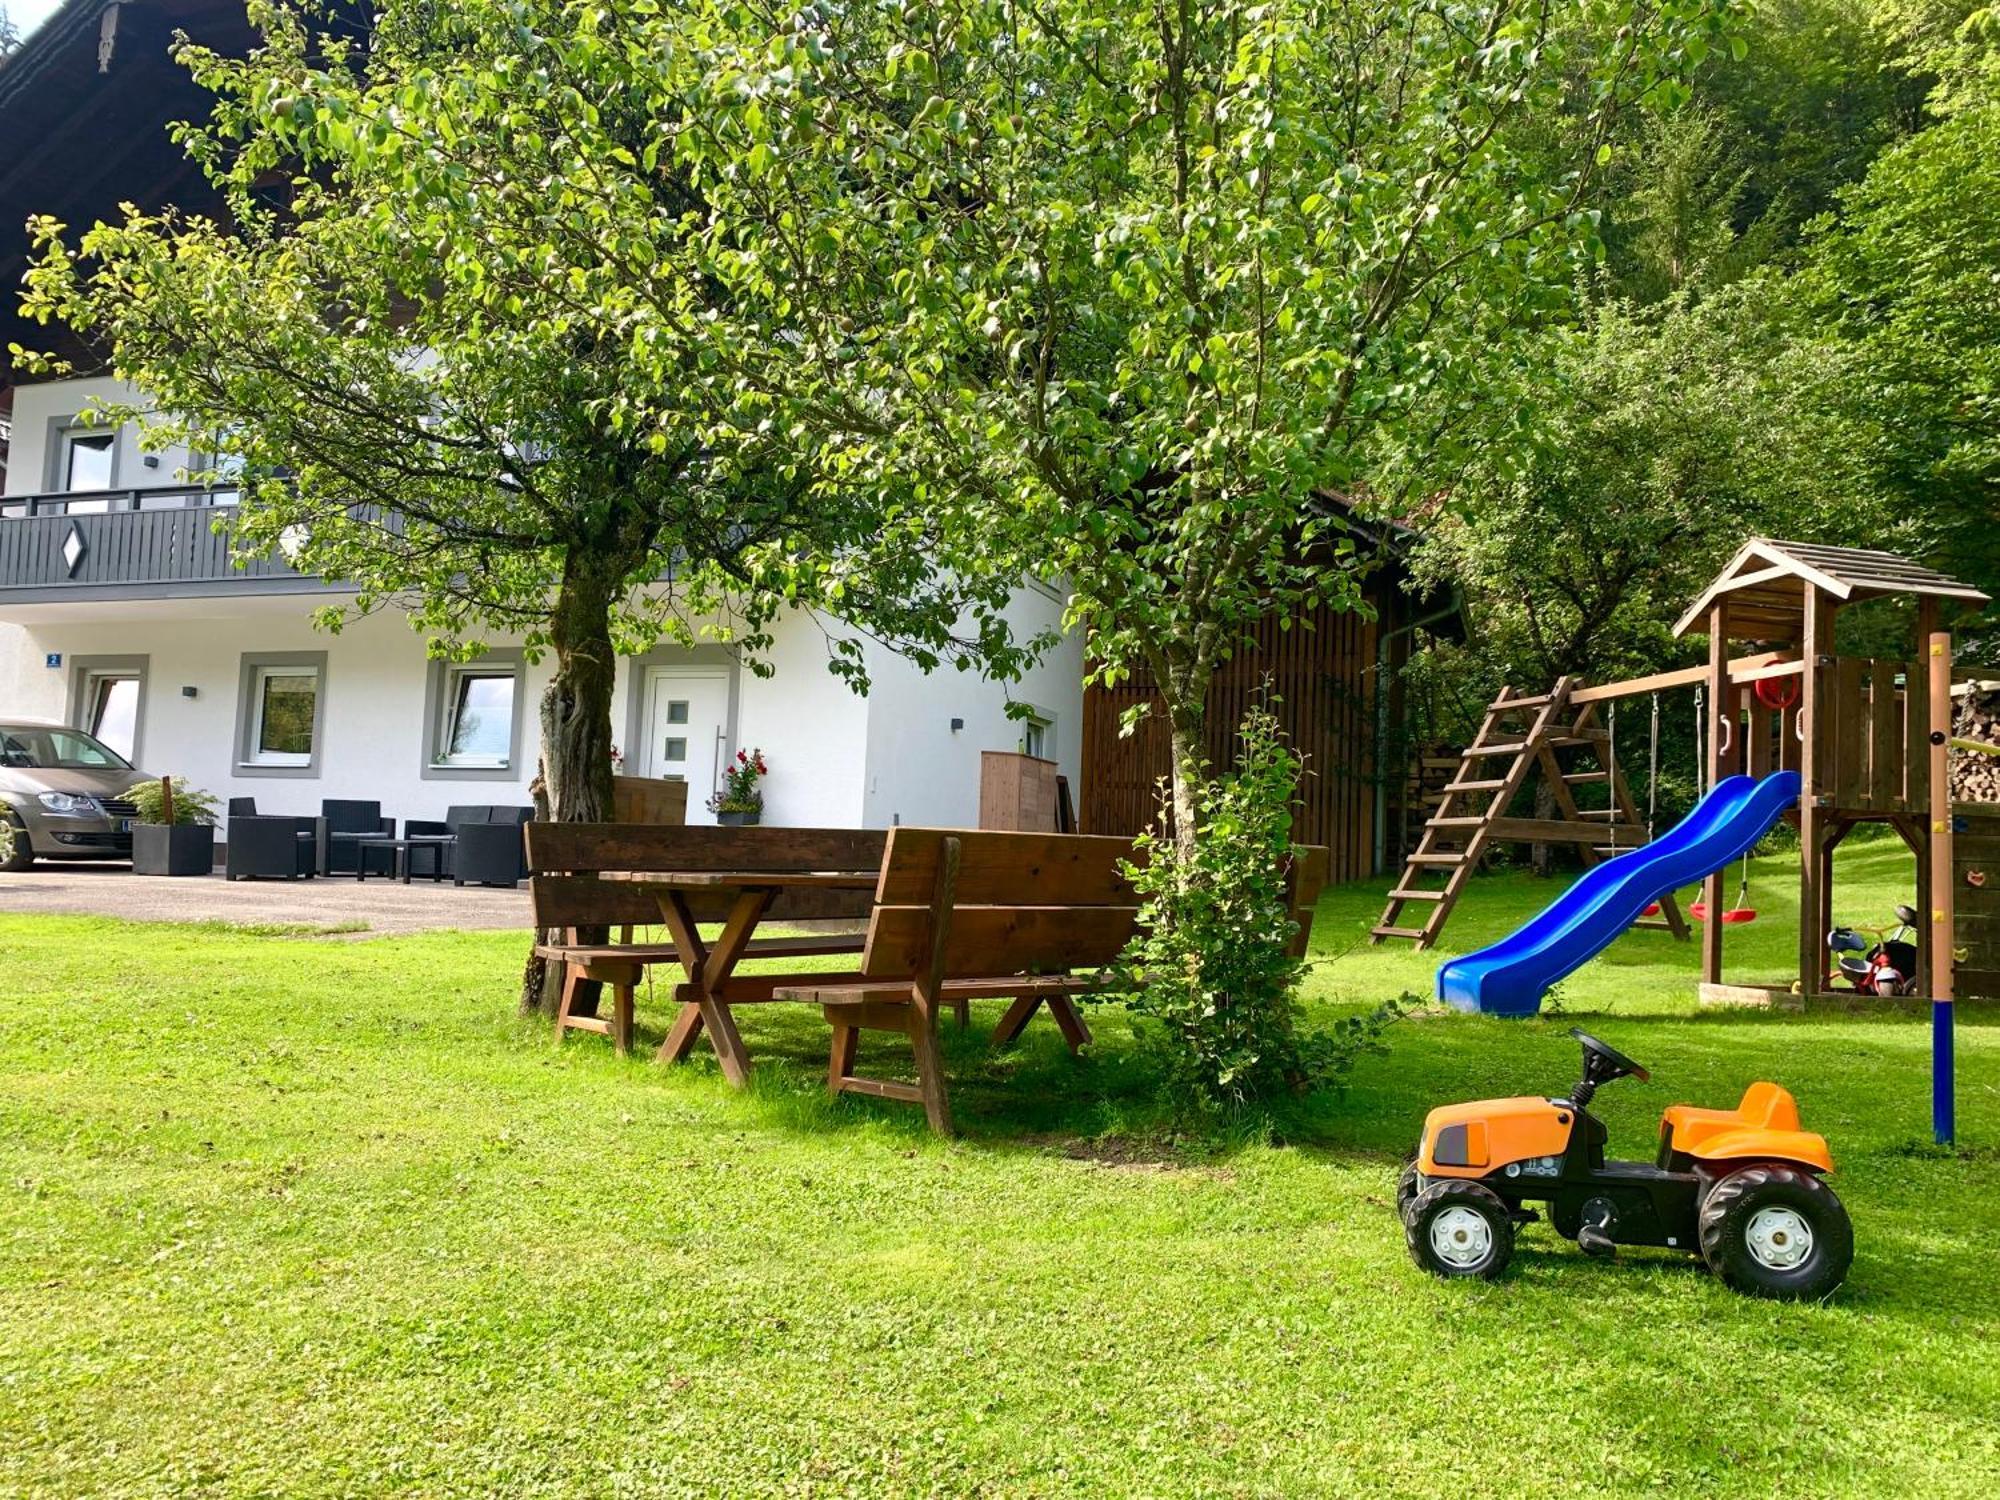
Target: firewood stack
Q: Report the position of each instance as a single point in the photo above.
(1976, 716)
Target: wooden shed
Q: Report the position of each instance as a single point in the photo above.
(1337, 675)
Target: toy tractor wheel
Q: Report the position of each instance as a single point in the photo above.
(1459, 1229)
(1409, 1183)
(1775, 1231)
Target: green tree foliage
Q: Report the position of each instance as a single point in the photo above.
(1953, 43)
(471, 358)
(1142, 283)
(1664, 436)
(1902, 291)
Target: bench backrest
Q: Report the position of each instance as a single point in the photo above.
(1023, 903)
(1018, 903)
(566, 861)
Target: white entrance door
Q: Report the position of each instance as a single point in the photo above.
(687, 717)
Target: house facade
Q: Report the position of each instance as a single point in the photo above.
(122, 612)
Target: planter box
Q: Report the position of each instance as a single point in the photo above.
(737, 820)
(183, 849)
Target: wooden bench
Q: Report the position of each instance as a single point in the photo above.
(960, 916)
(568, 864)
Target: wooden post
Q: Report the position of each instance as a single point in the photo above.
(1917, 779)
(167, 800)
(1937, 655)
(1813, 898)
(1722, 735)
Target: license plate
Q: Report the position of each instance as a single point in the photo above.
(124, 825)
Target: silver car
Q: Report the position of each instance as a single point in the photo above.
(64, 794)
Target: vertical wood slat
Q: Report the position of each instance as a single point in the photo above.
(1916, 737)
(1845, 729)
(1885, 730)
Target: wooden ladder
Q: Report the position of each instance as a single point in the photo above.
(1494, 766)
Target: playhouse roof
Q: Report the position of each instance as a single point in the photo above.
(1761, 585)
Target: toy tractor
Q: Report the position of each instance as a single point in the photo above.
(1740, 1187)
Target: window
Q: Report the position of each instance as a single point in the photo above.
(282, 713)
(33, 747)
(1038, 737)
(478, 717)
(107, 699)
(88, 459)
(286, 704)
(112, 709)
(474, 718)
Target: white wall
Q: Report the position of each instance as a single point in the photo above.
(837, 760)
(919, 769)
(374, 706)
(38, 407)
(812, 728)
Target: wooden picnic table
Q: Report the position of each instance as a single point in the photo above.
(712, 984)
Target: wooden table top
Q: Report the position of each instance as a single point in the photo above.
(710, 880)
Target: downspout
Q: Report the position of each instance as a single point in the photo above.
(1454, 605)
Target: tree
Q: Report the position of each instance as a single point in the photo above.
(473, 362)
(10, 34)
(1665, 436)
(1144, 282)
(1899, 294)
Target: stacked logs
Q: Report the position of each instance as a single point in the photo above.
(1976, 716)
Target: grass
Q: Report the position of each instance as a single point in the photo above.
(284, 1216)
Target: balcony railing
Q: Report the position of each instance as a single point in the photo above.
(150, 543)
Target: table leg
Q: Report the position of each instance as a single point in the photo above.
(708, 970)
(401, 858)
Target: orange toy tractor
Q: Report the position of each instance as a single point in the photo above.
(1741, 1186)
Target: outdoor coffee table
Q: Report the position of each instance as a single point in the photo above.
(400, 852)
(713, 985)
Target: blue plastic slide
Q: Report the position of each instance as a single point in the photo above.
(1510, 977)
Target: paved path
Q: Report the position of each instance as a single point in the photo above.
(364, 908)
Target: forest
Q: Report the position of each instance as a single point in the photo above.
(1791, 329)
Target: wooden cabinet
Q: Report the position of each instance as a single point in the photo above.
(1017, 793)
(648, 799)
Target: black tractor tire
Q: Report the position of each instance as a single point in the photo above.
(1409, 1183)
(1483, 1253)
(1754, 1257)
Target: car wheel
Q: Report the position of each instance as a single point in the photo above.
(20, 854)
(1775, 1231)
(1457, 1229)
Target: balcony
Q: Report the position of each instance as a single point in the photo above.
(129, 544)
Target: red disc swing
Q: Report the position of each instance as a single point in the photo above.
(1778, 693)
(1736, 915)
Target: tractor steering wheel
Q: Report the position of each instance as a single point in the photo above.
(1618, 1061)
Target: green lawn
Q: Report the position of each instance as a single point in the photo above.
(285, 1215)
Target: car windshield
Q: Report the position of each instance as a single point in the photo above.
(39, 747)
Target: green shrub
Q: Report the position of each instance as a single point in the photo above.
(191, 804)
(1209, 979)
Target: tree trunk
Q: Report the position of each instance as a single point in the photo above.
(576, 732)
(1187, 719)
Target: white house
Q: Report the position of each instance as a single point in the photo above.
(121, 612)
